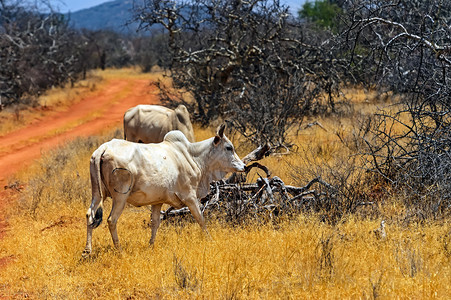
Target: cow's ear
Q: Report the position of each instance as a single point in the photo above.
(216, 140)
(219, 134)
(182, 114)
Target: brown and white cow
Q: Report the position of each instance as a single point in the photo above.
(175, 172)
(150, 123)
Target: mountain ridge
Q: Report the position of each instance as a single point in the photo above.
(117, 15)
(112, 15)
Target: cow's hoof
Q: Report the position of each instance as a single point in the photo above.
(86, 253)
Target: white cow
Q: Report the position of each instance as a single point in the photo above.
(175, 172)
(150, 123)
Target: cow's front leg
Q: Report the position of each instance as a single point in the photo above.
(155, 220)
(194, 208)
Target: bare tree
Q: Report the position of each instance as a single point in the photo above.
(404, 46)
(151, 51)
(248, 61)
(37, 51)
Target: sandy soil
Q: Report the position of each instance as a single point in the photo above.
(89, 116)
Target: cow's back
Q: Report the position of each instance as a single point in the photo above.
(153, 172)
(148, 123)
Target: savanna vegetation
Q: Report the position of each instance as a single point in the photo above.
(289, 256)
(39, 50)
(353, 92)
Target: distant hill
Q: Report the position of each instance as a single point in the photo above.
(112, 15)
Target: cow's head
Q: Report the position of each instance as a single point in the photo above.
(224, 153)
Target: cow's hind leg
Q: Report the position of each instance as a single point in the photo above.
(91, 223)
(155, 222)
(88, 248)
(119, 202)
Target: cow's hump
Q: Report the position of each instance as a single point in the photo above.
(176, 136)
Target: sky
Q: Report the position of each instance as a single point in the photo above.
(74, 5)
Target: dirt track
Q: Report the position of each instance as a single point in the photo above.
(89, 116)
(93, 114)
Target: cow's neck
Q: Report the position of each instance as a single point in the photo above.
(201, 153)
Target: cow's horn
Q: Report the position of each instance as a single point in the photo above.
(220, 131)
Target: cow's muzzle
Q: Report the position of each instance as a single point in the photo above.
(239, 166)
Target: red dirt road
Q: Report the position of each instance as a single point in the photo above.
(90, 116)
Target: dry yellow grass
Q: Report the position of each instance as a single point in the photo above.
(294, 258)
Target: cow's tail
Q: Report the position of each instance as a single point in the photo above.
(95, 211)
(125, 135)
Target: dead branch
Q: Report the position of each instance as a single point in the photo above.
(265, 195)
(316, 123)
(257, 154)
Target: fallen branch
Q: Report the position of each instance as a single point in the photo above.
(317, 124)
(266, 194)
(236, 198)
(257, 154)
(253, 156)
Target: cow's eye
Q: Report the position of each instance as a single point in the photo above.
(229, 148)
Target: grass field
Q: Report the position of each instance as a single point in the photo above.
(289, 258)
